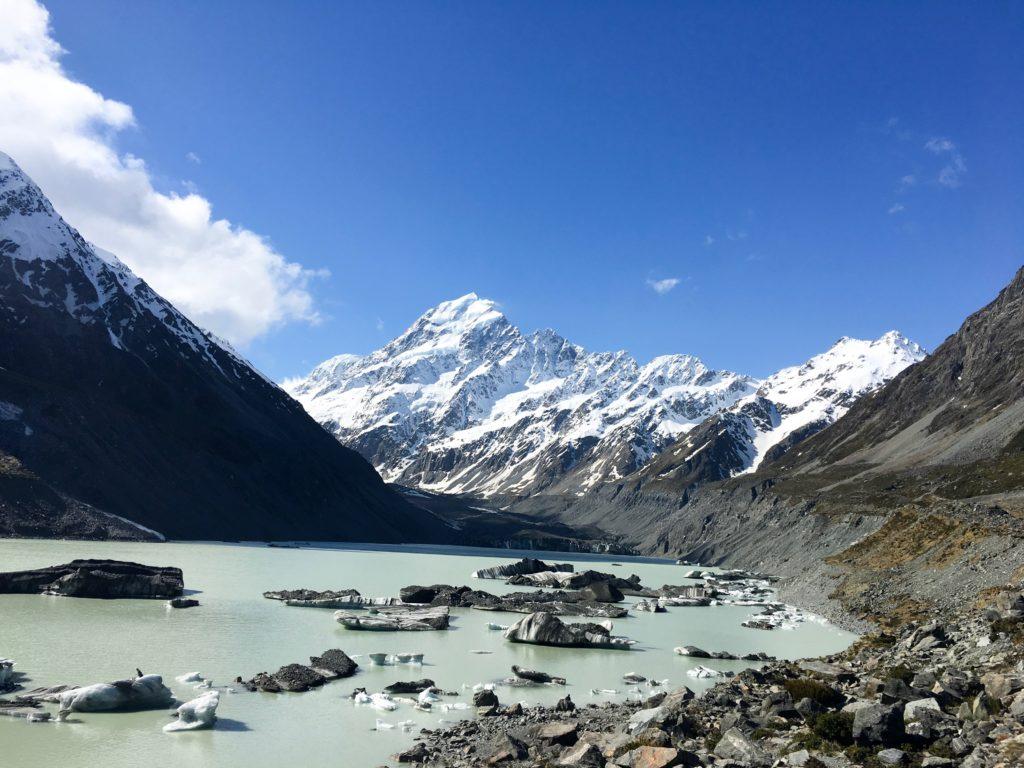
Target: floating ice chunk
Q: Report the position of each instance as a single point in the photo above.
(382, 725)
(481, 652)
(603, 691)
(206, 684)
(383, 702)
(194, 715)
(190, 677)
(146, 692)
(362, 697)
(428, 696)
(701, 671)
(378, 659)
(492, 625)
(455, 705)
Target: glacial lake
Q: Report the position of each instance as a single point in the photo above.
(236, 631)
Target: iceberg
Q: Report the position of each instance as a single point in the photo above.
(197, 714)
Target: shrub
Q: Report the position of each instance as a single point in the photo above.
(836, 727)
(806, 688)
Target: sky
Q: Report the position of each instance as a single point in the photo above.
(744, 182)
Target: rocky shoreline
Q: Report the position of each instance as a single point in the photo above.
(934, 694)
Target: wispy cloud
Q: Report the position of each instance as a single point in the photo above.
(192, 157)
(951, 174)
(734, 236)
(380, 325)
(663, 286)
(908, 181)
(897, 208)
(709, 240)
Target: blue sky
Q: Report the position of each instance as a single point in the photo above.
(803, 170)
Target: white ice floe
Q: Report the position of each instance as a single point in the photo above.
(197, 714)
(146, 692)
(190, 677)
(701, 671)
(382, 725)
(491, 625)
(383, 702)
(428, 696)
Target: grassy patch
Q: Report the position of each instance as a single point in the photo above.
(806, 688)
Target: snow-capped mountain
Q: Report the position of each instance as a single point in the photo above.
(115, 407)
(463, 402)
(787, 408)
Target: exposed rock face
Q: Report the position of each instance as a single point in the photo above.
(560, 602)
(546, 629)
(146, 692)
(536, 677)
(121, 415)
(333, 664)
(412, 686)
(97, 578)
(526, 565)
(395, 619)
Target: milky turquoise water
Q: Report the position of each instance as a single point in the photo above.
(238, 632)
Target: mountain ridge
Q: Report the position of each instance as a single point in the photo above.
(115, 406)
(464, 402)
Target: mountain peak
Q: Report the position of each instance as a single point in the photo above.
(465, 310)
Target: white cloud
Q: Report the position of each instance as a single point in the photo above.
(380, 325)
(709, 240)
(897, 208)
(908, 181)
(63, 134)
(952, 172)
(661, 287)
(192, 157)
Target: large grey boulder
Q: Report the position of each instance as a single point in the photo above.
(543, 628)
(878, 724)
(735, 745)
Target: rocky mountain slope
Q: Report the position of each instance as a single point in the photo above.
(464, 402)
(914, 498)
(120, 417)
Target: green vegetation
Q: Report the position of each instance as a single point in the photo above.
(806, 688)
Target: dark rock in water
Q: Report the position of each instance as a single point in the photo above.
(485, 698)
(298, 677)
(601, 592)
(334, 661)
(565, 705)
(526, 565)
(417, 594)
(536, 677)
(417, 753)
(97, 578)
(183, 602)
(310, 594)
(412, 686)
(547, 629)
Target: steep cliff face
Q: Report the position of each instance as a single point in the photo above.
(114, 405)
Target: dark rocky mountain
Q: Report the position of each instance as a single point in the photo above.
(120, 417)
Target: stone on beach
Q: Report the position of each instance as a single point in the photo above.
(396, 619)
(197, 714)
(543, 628)
(146, 692)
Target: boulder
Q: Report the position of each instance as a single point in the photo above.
(878, 724)
(485, 698)
(506, 749)
(182, 602)
(333, 664)
(582, 755)
(417, 753)
(535, 676)
(544, 628)
(892, 756)
(108, 579)
(563, 733)
(651, 757)
(826, 670)
(735, 745)
(298, 678)
(601, 592)
(565, 704)
(692, 650)
(913, 709)
(412, 686)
